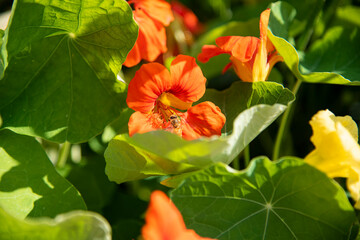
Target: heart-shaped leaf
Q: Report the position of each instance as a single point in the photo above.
(61, 59)
(333, 59)
(79, 225)
(163, 153)
(29, 184)
(284, 200)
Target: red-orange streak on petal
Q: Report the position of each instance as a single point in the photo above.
(151, 41)
(227, 67)
(204, 119)
(158, 10)
(209, 51)
(164, 221)
(187, 80)
(143, 122)
(149, 82)
(243, 48)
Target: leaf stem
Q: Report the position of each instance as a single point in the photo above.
(283, 123)
(63, 155)
(246, 155)
(236, 163)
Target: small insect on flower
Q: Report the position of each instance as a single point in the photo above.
(174, 124)
(175, 121)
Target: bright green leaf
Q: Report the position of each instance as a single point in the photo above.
(349, 14)
(61, 59)
(163, 153)
(79, 225)
(333, 59)
(284, 200)
(29, 183)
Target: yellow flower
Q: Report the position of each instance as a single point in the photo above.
(337, 152)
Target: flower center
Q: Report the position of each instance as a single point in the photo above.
(171, 100)
(168, 115)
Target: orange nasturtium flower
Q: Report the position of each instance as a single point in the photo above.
(152, 16)
(164, 221)
(337, 152)
(160, 99)
(252, 58)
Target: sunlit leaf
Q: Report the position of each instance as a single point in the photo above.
(333, 59)
(29, 183)
(61, 59)
(284, 200)
(79, 225)
(248, 109)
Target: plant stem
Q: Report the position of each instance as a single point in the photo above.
(63, 155)
(236, 163)
(283, 124)
(246, 155)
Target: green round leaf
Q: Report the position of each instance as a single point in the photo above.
(29, 184)
(284, 200)
(61, 59)
(162, 153)
(79, 225)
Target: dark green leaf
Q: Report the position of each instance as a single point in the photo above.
(90, 179)
(163, 153)
(284, 200)
(333, 59)
(61, 59)
(29, 183)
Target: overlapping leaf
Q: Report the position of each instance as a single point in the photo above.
(162, 153)
(61, 59)
(333, 59)
(29, 183)
(284, 200)
(79, 225)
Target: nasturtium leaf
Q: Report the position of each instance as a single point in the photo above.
(348, 14)
(61, 60)
(79, 225)
(249, 109)
(90, 180)
(332, 59)
(29, 183)
(287, 199)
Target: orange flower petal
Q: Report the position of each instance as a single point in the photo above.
(243, 48)
(243, 69)
(158, 10)
(149, 82)
(209, 51)
(164, 221)
(143, 122)
(264, 22)
(204, 119)
(187, 79)
(151, 41)
(260, 68)
(191, 22)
